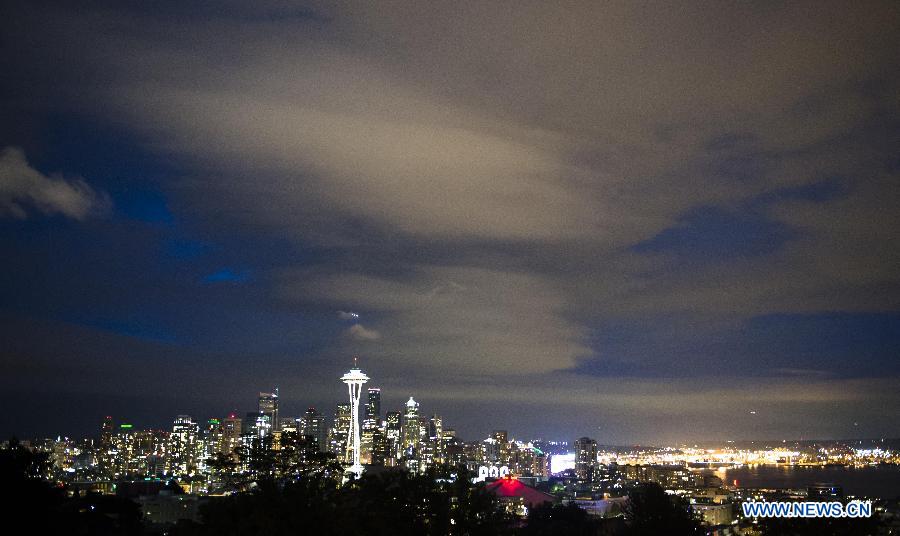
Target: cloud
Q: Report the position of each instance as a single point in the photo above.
(462, 319)
(23, 187)
(362, 333)
(490, 152)
(482, 179)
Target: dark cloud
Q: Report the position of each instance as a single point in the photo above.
(508, 190)
(362, 333)
(23, 189)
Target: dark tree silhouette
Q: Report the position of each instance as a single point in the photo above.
(551, 519)
(650, 510)
(441, 502)
(27, 495)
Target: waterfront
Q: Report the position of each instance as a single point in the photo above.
(878, 480)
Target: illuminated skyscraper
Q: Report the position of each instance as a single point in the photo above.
(373, 404)
(263, 425)
(393, 437)
(354, 380)
(182, 446)
(585, 458)
(370, 425)
(379, 452)
(312, 424)
(125, 461)
(433, 451)
(210, 440)
(288, 424)
(503, 452)
(106, 431)
(106, 454)
(411, 432)
(339, 433)
(268, 405)
(231, 434)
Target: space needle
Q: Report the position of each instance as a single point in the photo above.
(354, 380)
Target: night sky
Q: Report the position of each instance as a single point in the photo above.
(634, 221)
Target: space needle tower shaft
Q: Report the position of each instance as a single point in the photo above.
(354, 380)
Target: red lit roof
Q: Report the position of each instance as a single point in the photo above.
(511, 487)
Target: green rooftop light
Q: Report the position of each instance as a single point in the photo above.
(126, 426)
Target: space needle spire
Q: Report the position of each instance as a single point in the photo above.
(354, 380)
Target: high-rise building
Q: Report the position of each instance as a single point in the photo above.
(211, 440)
(354, 380)
(264, 426)
(231, 434)
(503, 447)
(182, 446)
(433, 451)
(125, 460)
(393, 437)
(491, 449)
(248, 423)
(410, 431)
(107, 429)
(288, 424)
(313, 425)
(411, 436)
(106, 453)
(373, 404)
(585, 459)
(268, 405)
(337, 436)
(379, 454)
(370, 424)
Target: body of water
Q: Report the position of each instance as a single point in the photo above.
(874, 481)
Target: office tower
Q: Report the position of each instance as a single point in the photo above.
(503, 450)
(288, 424)
(124, 461)
(106, 452)
(339, 433)
(379, 454)
(455, 451)
(424, 424)
(491, 448)
(182, 445)
(370, 423)
(354, 380)
(585, 459)
(433, 445)
(435, 428)
(211, 437)
(392, 437)
(149, 452)
(411, 435)
(106, 431)
(410, 429)
(248, 423)
(264, 426)
(373, 404)
(231, 434)
(268, 405)
(313, 425)
(541, 465)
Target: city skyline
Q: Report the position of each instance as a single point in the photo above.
(639, 223)
(340, 436)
